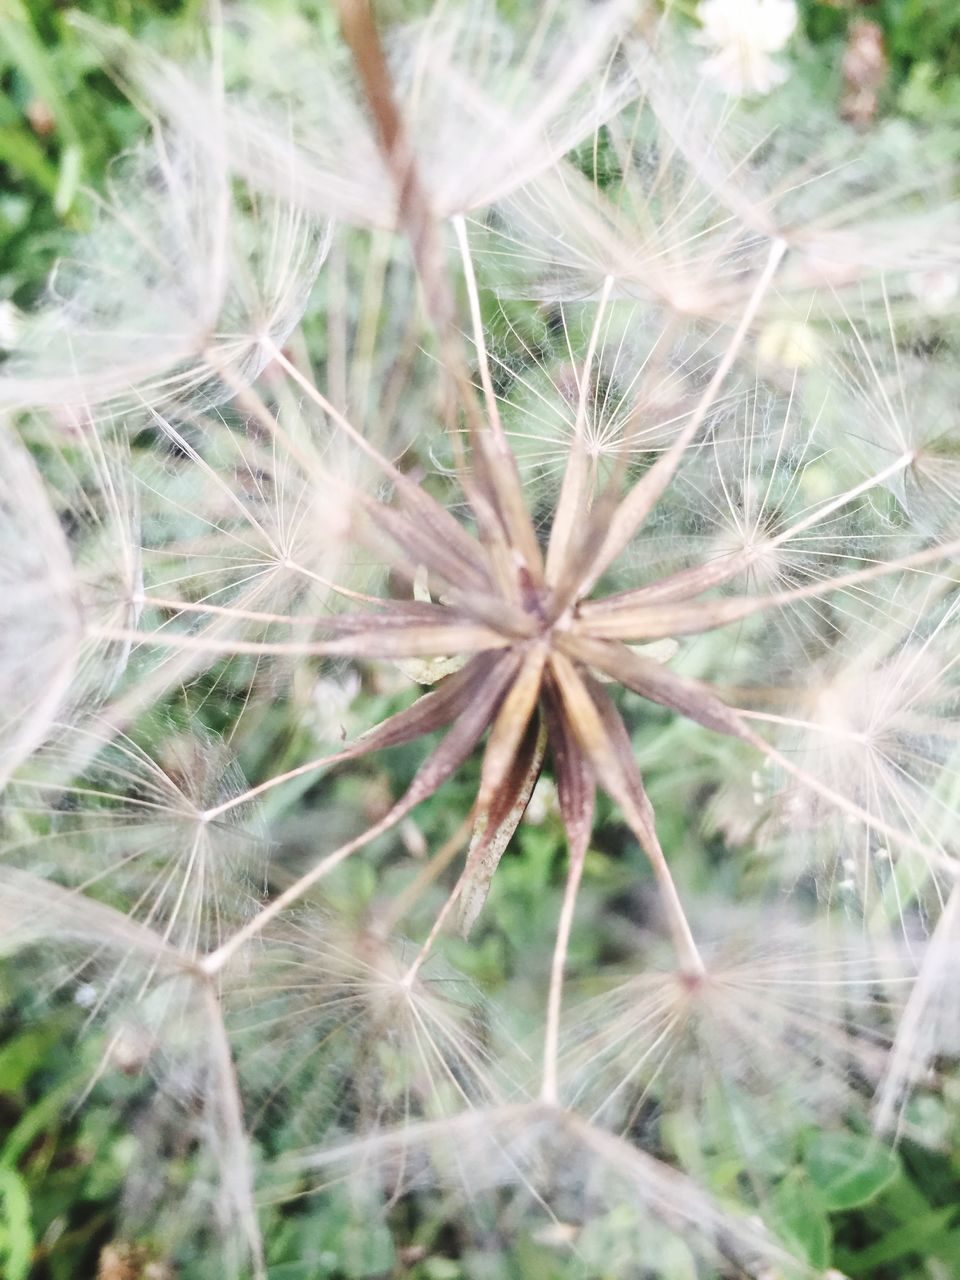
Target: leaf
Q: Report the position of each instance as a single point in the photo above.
(849, 1169)
(16, 1233)
(51, 1108)
(21, 1055)
(928, 1234)
(22, 153)
(68, 179)
(35, 62)
(797, 1215)
(368, 1250)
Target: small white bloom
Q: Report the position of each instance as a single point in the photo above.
(331, 698)
(743, 34)
(936, 290)
(542, 803)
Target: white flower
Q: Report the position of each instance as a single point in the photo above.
(935, 289)
(743, 34)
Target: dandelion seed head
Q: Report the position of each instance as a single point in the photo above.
(904, 402)
(877, 720)
(700, 193)
(675, 474)
(470, 94)
(138, 830)
(777, 1028)
(178, 294)
(629, 405)
(335, 1031)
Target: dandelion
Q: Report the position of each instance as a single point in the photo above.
(138, 830)
(393, 1049)
(679, 202)
(878, 723)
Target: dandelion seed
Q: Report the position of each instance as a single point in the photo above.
(175, 296)
(935, 289)
(878, 722)
(135, 828)
(333, 1033)
(697, 195)
(767, 1032)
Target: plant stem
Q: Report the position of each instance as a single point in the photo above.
(549, 1089)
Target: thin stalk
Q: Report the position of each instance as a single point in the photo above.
(238, 1168)
(435, 642)
(907, 1057)
(573, 491)
(683, 940)
(452, 899)
(215, 961)
(426, 876)
(634, 509)
(551, 1043)
(311, 766)
(652, 622)
(476, 320)
(507, 488)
